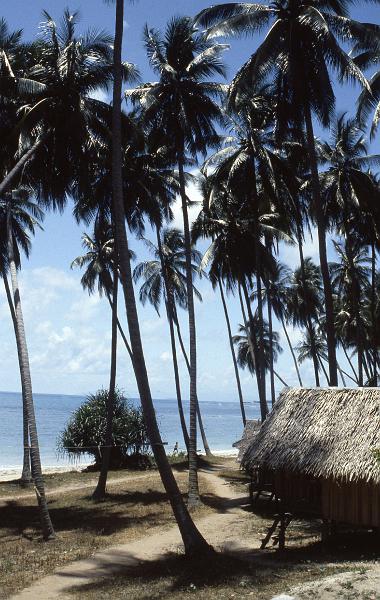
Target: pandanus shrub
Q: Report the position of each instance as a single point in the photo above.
(85, 431)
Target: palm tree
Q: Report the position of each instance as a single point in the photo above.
(307, 350)
(367, 55)
(303, 38)
(102, 270)
(348, 193)
(244, 356)
(304, 304)
(181, 107)
(165, 278)
(277, 292)
(19, 217)
(193, 541)
(59, 119)
(350, 276)
(234, 361)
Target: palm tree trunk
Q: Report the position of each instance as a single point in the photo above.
(280, 378)
(169, 303)
(199, 414)
(100, 490)
(341, 375)
(177, 380)
(309, 325)
(22, 351)
(194, 498)
(193, 541)
(321, 226)
(323, 369)
(251, 336)
(261, 356)
(8, 179)
(238, 384)
(350, 362)
(355, 290)
(271, 365)
(26, 475)
(373, 311)
(291, 350)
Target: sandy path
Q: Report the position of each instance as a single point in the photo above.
(360, 584)
(217, 528)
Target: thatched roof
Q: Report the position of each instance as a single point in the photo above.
(321, 432)
(251, 429)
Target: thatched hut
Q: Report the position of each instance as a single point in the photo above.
(251, 429)
(317, 449)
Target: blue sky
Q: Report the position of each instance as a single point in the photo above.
(68, 332)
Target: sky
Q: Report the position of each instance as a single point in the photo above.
(68, 331)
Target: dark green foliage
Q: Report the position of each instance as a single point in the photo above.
(85, 431)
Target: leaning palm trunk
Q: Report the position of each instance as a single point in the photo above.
(253, 348)
(238, 384)
(199, 414)
(26, 475)
(19, 166)
(22, 351)
(193, 541)
(321, 226)
(169, 303)
(291, 349)
(350, 363)
(100, 490)
(193, 461)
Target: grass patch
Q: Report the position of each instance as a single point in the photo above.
(82, 526)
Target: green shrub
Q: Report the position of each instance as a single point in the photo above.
(85, 431)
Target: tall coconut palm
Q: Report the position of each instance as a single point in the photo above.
(350, 276)
(304, 304)
(307, 351)
(349, 191)
(165, 278)
(102, 271)
(234, 361)
(60, 119)
(367, 55)
(18, 218)
(181, 107)
(244, 355)
(193, 541)
(277, 291)
(303, 38)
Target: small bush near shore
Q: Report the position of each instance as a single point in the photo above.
(85, 432)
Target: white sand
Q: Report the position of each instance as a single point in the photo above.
(12, 473)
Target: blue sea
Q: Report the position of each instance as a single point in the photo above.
(222, 421)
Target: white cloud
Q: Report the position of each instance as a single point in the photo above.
(86, 308)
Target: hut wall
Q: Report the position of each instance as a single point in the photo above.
(354, 503)
(351, 503)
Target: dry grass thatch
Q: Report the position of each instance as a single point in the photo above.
(251, 429)
(321, 432)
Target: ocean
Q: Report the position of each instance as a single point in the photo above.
(222, 422)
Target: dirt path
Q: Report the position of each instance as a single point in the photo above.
(362, 584)
(217, 528)
(220, 530)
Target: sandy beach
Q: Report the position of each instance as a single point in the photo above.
(10, 474)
